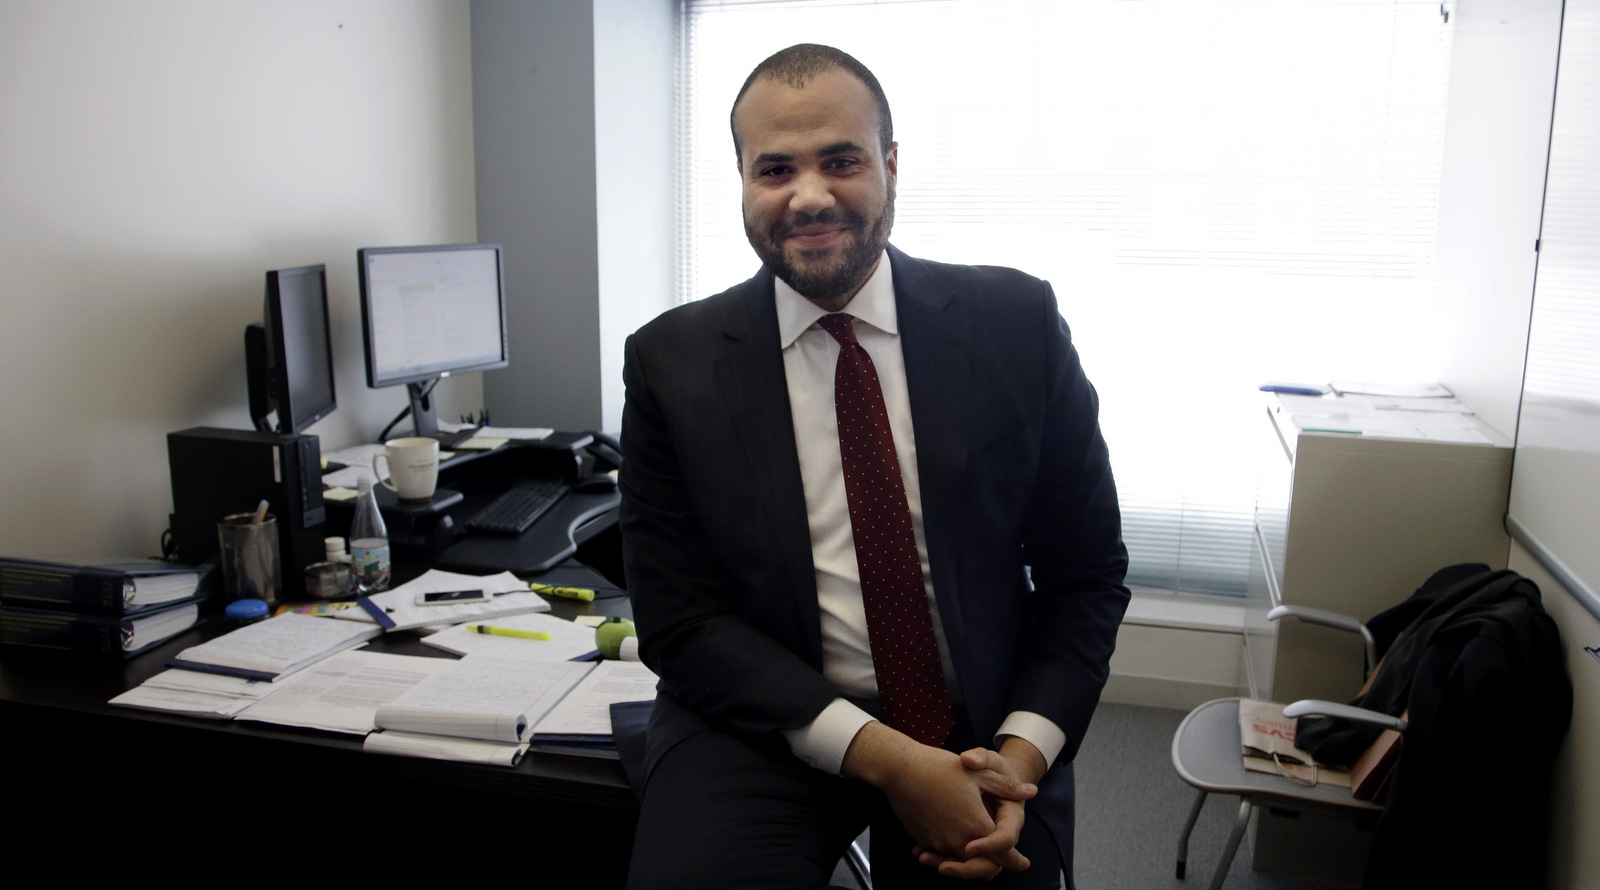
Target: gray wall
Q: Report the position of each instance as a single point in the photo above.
(159, 157)
(572, 103)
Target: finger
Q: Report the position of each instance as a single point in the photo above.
(1008, 819)
(1003, 786)
(981, 758)
(970, 870)
(1011, 860)
(930, 858)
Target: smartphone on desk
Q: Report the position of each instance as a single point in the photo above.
(452, 597)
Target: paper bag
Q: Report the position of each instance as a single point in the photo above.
(1267, 739)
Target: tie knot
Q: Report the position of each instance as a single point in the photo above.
(838, 324)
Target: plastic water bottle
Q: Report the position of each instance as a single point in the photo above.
(369, 544)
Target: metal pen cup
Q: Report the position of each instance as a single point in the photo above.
(328, 580)
(250, 557)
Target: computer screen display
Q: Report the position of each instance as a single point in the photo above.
(291, 370)
(432, 311)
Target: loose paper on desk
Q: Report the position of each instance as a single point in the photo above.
(1443, 420)
(344, 692)
(1423, 425)
(198, 695)
(439, 747)
(399, 610)
(358, 462)
(586, 711)
(525, 433)
(274, 648)
(483, 697)
(1398, 390)
(568, 640)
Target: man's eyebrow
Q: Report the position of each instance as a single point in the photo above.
(840, 148)
(827, 151)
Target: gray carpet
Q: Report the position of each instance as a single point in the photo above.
(1131, 807)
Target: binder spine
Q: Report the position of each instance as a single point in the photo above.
(84, 634)
(83, 589)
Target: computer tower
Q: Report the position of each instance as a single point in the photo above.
(217, 472)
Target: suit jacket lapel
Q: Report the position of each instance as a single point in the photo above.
(753, 384)
(936, 340)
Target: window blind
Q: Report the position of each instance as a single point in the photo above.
(1222, 192)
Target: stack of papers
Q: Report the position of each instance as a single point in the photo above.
(479, 709)
(358, 462)
(581, 723)
(568, 641)
(301, 670)
(213, 696)
(343, 693)
(1437, 418)
(397, 609)
(274, 648)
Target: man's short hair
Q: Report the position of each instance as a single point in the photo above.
(803, 61)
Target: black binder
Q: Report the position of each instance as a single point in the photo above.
(102, 587)
(99, 635)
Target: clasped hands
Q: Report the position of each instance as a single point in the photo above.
(965, 811)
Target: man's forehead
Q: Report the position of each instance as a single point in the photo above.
(831, 98)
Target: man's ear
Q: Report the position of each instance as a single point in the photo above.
(891, 162)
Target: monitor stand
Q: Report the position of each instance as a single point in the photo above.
(423, 420)
(426, 422)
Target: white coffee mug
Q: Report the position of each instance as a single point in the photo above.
(413, 467)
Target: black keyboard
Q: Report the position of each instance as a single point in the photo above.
(521, 505)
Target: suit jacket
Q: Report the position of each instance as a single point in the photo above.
(1015, 482)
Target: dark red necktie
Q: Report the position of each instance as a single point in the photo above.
(905, 654)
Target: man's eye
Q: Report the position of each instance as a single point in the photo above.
(774, 172)
(841, 163)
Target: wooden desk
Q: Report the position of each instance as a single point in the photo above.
(98, 791)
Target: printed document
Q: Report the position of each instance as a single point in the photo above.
(343, 693)
(483, 697)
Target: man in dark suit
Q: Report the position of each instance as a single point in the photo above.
(869, 522)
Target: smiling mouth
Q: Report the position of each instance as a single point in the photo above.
(817, 238)
(819, 231)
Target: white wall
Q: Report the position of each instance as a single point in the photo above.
(1574, 860)
(159, 157)
(635, 55)
(1497, 133)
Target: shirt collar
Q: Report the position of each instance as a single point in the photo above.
(873, 304)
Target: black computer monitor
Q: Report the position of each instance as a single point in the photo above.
(430, 312)
(289, 356)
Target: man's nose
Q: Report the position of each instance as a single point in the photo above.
(812, 194)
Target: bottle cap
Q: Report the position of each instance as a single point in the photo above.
(333, 547)
(246, 611)
(364, 485)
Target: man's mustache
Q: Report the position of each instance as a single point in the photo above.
(784, 228)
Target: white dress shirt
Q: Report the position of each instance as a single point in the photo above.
(809, 357)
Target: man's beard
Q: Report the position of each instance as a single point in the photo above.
(824, 280)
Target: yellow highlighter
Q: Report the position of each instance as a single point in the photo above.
(571, 593)
(509, 632)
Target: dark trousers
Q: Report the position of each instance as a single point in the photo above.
(725, 812)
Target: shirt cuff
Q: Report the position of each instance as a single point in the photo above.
(822, 743)
(1037, 730)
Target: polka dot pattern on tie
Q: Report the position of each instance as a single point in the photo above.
(905, 653)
